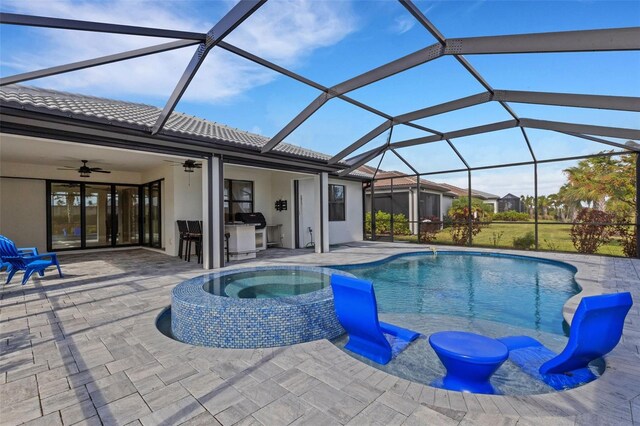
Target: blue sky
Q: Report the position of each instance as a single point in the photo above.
(331, 41)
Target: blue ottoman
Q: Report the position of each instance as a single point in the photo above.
(470, 360)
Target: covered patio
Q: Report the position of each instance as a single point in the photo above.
(84, 349)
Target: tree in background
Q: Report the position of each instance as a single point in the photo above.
(604, 183)
(528, 202)
(608, 185)
(568, 203)
(554, 206)
(543, 206)
(479, 208)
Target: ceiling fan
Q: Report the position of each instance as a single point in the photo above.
(188, 165)
(84, 170)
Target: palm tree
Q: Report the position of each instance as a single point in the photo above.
(570, 201)
(528, 203)
(587, 180)
(554, 204)
(543, 205)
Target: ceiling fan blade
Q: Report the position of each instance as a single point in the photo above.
(100, 171)
(67, 168)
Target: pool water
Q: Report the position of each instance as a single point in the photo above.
(488, 294)
(515, 290)
(267, 283)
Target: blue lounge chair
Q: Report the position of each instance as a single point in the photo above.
(21, 261)
(31, 251)
(357, 311)
(595, 330)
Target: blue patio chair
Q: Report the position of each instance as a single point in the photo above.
(20, 261)
(32, 251)
(357, 311)
(595, 330)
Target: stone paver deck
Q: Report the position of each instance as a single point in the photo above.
(84, 350)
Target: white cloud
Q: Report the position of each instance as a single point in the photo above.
(282, 31)
(285, 30)
(402, 24)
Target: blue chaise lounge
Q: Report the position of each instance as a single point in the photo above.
(596, 329)
(357, 311)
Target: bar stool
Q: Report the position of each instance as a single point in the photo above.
(183, 231)
(195, 236)
(227, 235)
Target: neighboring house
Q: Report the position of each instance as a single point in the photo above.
(511, 202)
(403, 199)
(486, 197)
(149, 187)
(435, 198)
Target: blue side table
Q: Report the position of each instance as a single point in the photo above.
(470, 360)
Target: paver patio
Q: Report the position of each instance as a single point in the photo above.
(85, 350)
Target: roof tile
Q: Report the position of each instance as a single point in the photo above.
(140, 116)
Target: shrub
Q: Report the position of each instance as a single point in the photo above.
(460, 231)
(628, 235)
(429, 230)
(525, 242)
(591, 230)
(551, 245)
(401, 225)
(496, 237)
(383, 223)
(511, 216)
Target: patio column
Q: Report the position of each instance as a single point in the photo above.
(212, 214)
(322, 218)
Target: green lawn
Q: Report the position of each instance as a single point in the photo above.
(550, 237)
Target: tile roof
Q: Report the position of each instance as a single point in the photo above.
(464, 192)
(400, 180)
(383, 179)
(139, 116)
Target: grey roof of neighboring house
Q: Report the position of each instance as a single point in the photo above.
(486, 195)
(457, 191)
(141, 117)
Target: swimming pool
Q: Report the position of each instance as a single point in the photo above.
(491, 294)
(518, 290)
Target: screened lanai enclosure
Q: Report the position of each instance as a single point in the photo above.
(499, 133)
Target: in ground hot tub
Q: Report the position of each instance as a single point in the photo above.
(255, 307)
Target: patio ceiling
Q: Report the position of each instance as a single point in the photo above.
(601, 40)
(20, 149)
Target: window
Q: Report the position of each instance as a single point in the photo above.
(429, 205)
(336, 203)
(238, 198)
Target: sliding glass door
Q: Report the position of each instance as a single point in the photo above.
(97, 207)
(65, 215)
(91, 215)
(152, 214)
(127, 215)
